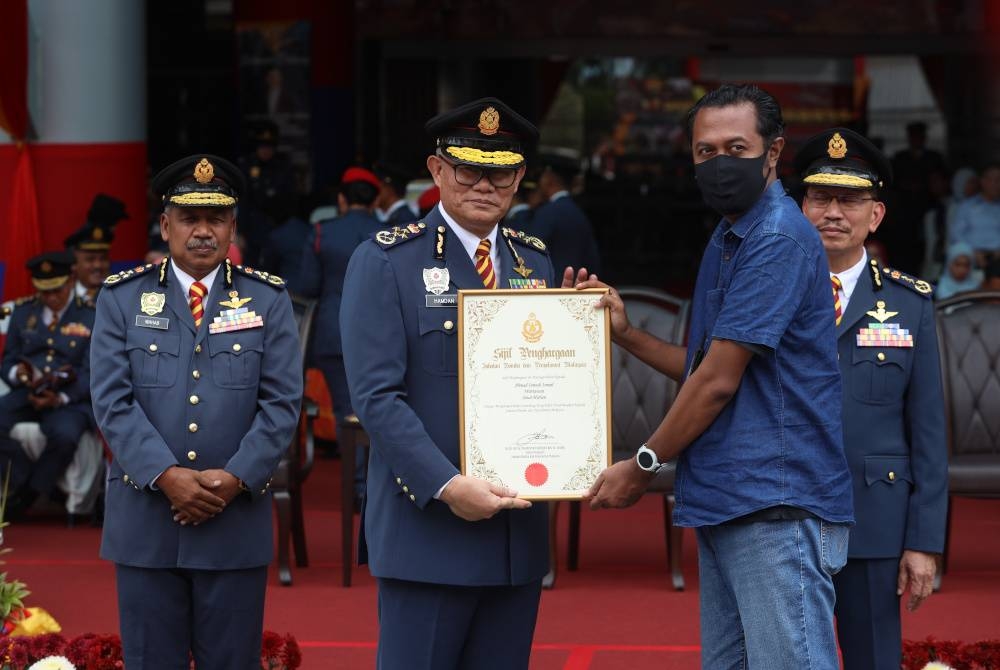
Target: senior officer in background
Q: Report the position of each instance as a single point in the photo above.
(892, 404)
(196, 385)
(459, 561)
(91, 244)
(45, 364)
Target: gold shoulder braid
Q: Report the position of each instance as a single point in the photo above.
(396, 234)
(919, 285)
(127, 275)
(523, 238)
(266, 277)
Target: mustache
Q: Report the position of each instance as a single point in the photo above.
(194, 245)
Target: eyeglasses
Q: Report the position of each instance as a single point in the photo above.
(470, 175)
(847, 202)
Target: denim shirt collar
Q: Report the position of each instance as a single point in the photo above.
(752, 216)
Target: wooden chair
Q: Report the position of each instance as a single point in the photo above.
(296, 464)
(968, 327)
(640, 399)
(349, 435)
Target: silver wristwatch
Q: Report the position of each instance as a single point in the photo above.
(647, 460)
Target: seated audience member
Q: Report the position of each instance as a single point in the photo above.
(991, 275)
(959, 274)
(45, 363)
(964, 185)
(91, 244)
(977, 220)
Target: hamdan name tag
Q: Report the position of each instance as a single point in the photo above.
(159, 322)
(443, 300)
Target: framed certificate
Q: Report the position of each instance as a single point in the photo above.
(535, 389)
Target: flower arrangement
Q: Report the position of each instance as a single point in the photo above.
(931, 654)
(52, 651)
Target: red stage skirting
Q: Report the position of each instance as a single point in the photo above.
(68, 176)
(617, 613)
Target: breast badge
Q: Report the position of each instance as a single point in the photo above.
(882, 334)
(436, 280)
(235, 301)
(152, 303)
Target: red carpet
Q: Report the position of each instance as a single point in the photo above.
(617, 612)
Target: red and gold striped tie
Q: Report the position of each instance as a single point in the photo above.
(837, 287)
(195, 295)
(484, 266)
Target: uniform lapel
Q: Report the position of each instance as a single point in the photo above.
(862, 300)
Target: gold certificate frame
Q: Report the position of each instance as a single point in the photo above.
(535, 389)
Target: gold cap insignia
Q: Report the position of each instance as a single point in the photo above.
(837, 147)
(98, 234)
(489, 121)
(46, 266)
(204, 171)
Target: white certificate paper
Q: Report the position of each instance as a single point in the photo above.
(534, 384)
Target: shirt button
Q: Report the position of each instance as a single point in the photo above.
(196, 374)
(880, 356)
(153, 347)
(237, 347)
(448, 325)
(193, 427)
(892, 476)
(197, 349)
(194, 400)
(192, 455)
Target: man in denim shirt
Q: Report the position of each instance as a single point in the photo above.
(761, 472)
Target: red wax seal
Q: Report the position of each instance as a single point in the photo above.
(536, 474)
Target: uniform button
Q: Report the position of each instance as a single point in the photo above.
(892, 476)
(125, 478)
(440, 229)
(50, 341)
(196, 374)
(48, 359)
(72, 343)
(399, 481)
(237, 347)
(406, 489)
(448, 325)
(413, 498)
(192, 455)
(197, 349)
(46, 369)
(153, 347)
(880, 356)
(194, 400)
(193, 427)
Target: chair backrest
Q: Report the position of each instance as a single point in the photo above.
(304, 309)
(968, 328)
(641, 396)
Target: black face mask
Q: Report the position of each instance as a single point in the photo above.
(731, 185)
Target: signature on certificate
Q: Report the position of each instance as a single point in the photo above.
(534, 438)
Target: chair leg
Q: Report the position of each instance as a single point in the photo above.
(348, 440)
(675, 539)
(573, 550)
(549, 580)
(282, 503)
(299, 530)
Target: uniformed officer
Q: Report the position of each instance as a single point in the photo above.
(391, 201)
(197, 381)
(91, 244)
(459, 561)
(893, 410)
(270, 191)
(558, 219)
(45, 362)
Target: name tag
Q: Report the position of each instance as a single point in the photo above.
(158, 322)
(443, 300)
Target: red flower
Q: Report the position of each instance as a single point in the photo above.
(291, 655)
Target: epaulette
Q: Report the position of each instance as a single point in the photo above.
(126, 275)
(523, 238)
(396, 234)
(25, 299)
(912, 283)
(259, 275)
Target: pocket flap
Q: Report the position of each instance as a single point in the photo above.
(237, 342)
(152, 342)
(881, 355)
(888, 469)
(439, 319)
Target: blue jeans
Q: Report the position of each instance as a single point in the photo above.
(767, 594)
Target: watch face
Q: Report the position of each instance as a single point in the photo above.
(645, 460)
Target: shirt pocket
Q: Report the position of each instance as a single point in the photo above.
(890, 470)
(153, 357)
(438, 346)
(236, 358)
(878, 374)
